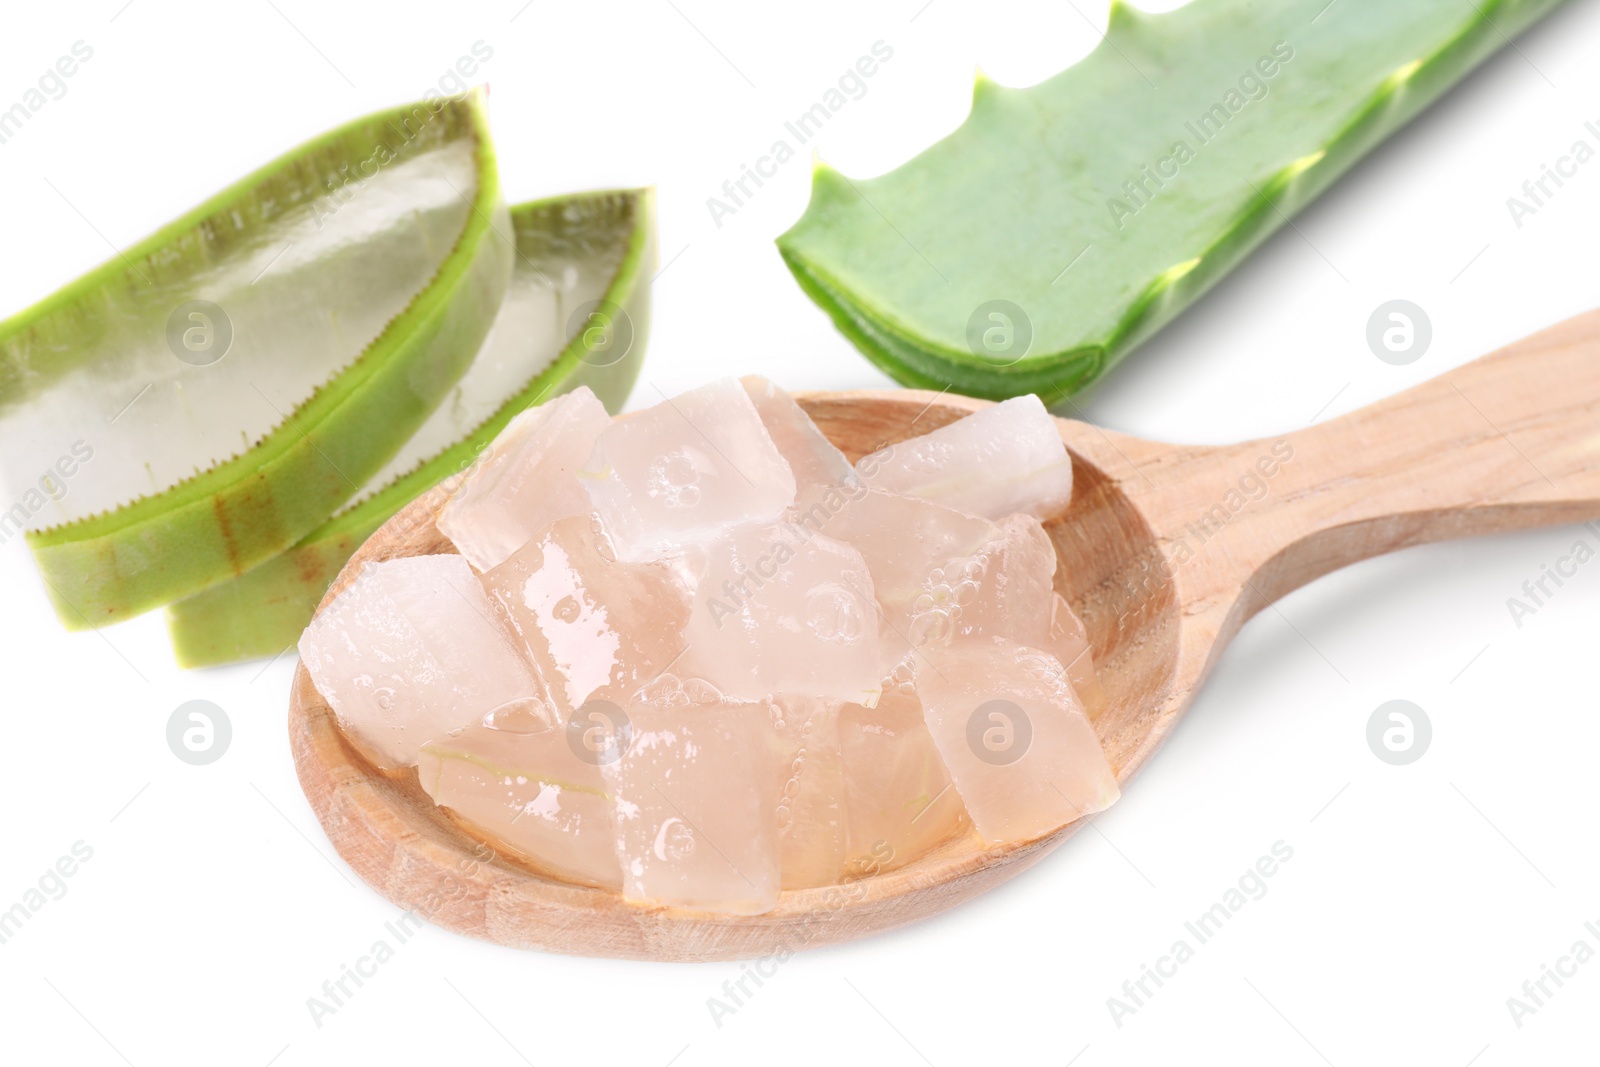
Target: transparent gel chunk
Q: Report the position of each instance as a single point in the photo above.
(810, 804)
(595, 626)
(1011, 594)
(992, 463)
(911, 548)
(528, 792)
(696, 813)
(811, 456)
(526, 481)
(1069, 643)
(1018, 746)
(685, 470)
(899, 801)
(779, 609)
(412, 652)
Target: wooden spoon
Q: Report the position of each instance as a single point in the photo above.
(1165, 552)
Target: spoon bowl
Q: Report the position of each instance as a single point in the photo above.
(1164, 552)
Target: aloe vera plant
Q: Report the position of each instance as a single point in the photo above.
(1063, 224)
(210, 395)
(576, 313)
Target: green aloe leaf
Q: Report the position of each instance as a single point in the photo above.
(203, 400)
(577, 313)
(1063, 224)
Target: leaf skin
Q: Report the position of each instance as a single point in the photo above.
(242, 511)
(264, 611)
(1001, 207)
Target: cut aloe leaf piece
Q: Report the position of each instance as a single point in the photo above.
(577, 312)
(210, 395)
(1063, 224)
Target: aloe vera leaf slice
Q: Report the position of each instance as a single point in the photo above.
(1021, 203)
(356, 275)
(572, 250)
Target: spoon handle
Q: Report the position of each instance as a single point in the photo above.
(1509, 441)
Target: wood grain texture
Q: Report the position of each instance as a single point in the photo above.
(1165, 552)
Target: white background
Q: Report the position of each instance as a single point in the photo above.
(1418, 898)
